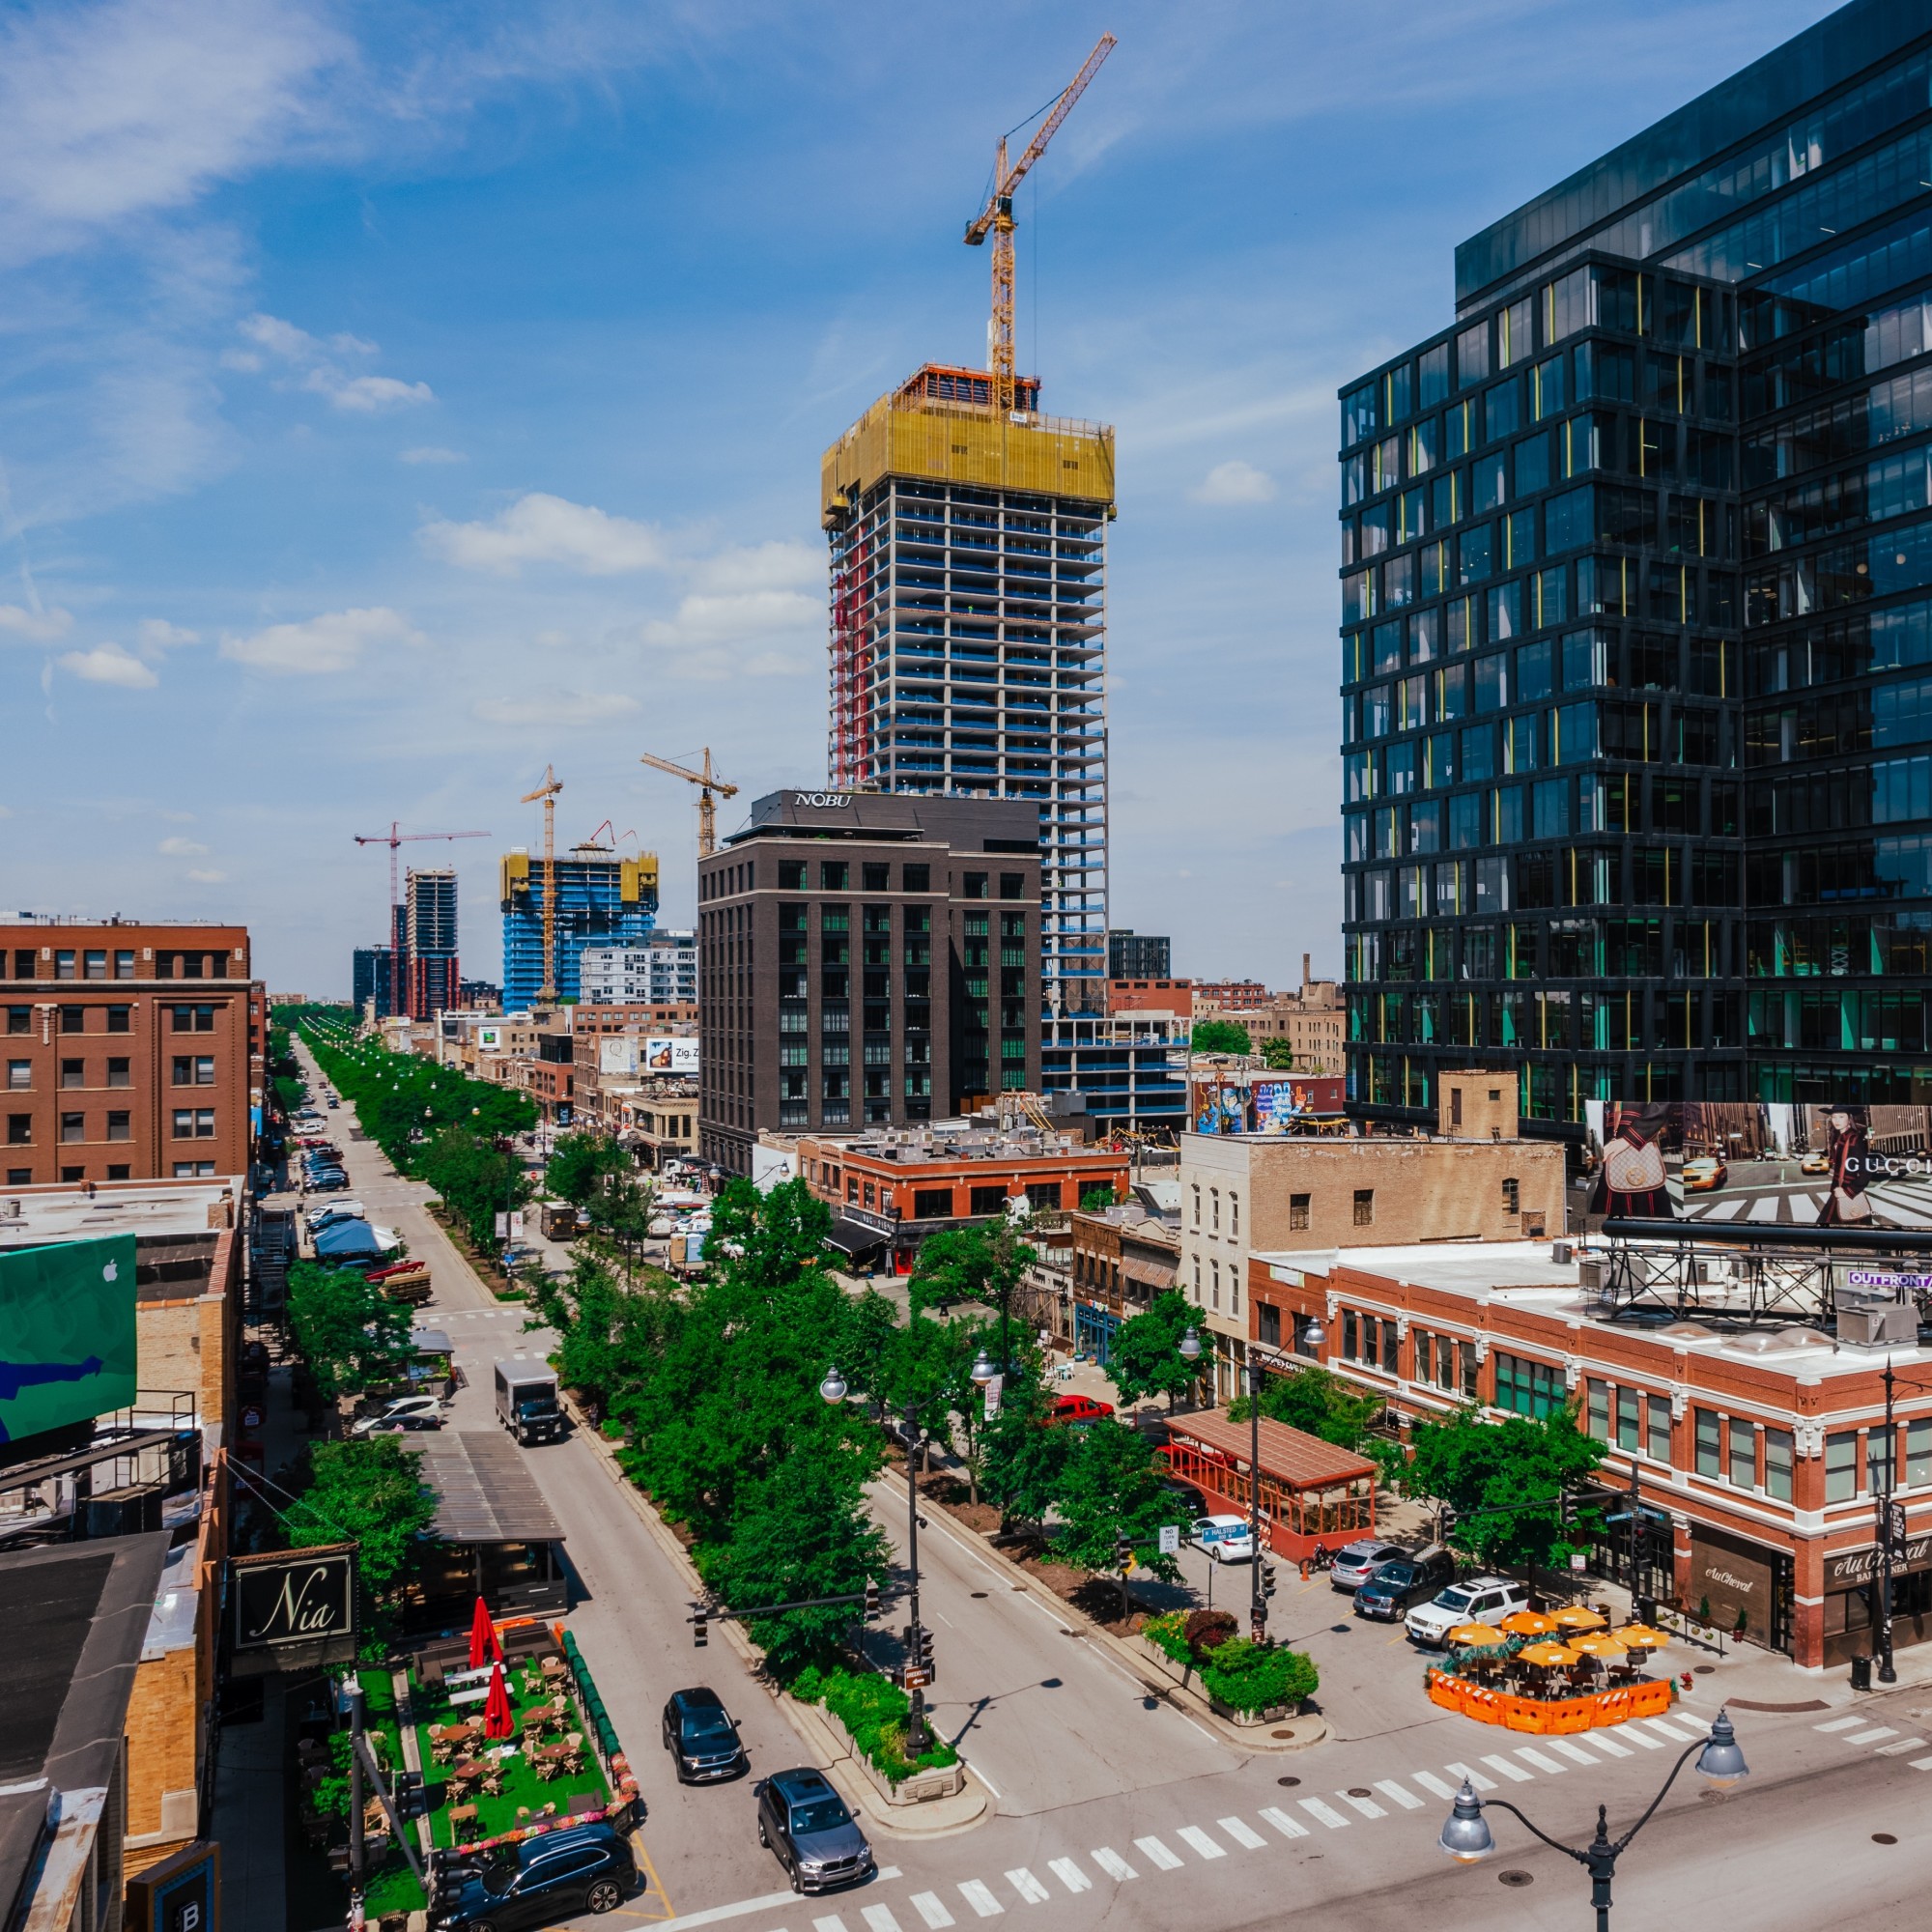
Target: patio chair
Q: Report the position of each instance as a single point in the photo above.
(463, 1821)
(492, 1782)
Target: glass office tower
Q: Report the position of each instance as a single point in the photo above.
(1636, 644)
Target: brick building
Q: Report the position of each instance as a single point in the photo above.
(1122, 1257)
(131, 1052)
(1151, 996)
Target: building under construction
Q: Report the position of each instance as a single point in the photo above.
(602, 900)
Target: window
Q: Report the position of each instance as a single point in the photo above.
(1512, 1195)
(20, 1019)
(121, 1019)
(1465, 1356)
(19, 1074)
(19, 1177)
(1658, 1412)
(1841, 1466)
(1197, 1205)
(1596, 1409)
(1298, 1210)
(916, 878)
(931, 1203)
(193, 1170)
(1744, 1453)
(972, 885)
(1527, 1387)
(120, 1126)
(120, 1171)
(63, 965)
(1269, 1317)
(195, 1123)
(989, 1200)
(20, 1130)
(1918, 1453)
(118, 1073)
(1012, 885)
(834, 875)
(1391, 1349)
(93, 963)
(1214, 1283)
(1351, 1335)
(1879, 1455)
(72, 1128)
(1043, 1193)
(74, 1019)
(1365, 1207)
(1627, 1418)
(124, 969)
(191, 1019)
(73, 1073)
(791, 875)
(876, 877)
(1214, 1208)
(1706, 1438)
(1234, 1216)
(1778, 1464)
(192, 1069)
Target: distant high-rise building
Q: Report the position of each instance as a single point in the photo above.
(374, 975)
(432, 976)
(661, 971)
(1138, 955)
(968, 629)
(602, 900)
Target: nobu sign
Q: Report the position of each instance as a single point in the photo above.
(294, 1608)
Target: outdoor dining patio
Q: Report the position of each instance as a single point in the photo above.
(1563, 1670)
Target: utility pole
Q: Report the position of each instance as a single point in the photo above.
(1887, 1536)
(358, 1855)
(1257, 1604)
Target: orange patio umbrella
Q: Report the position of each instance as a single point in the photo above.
(1528, 1623)
(1476, 1636)
(1640, 1637)
(1550, 1656)
(1576, 1617)
(1605, 1649)
(498, 1723)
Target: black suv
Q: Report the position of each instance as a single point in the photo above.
(536, 1882)
(1392, 1587)
(701, 1737)
(816, 1839)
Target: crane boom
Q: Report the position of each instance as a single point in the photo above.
(708, 783)
(996, 219)
(548, 792)
(393, 837)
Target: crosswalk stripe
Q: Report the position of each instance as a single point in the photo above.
(1543, 1762)
(1670, 1730)
(1903, 1746)
(1574, 1753)
(1406, 1799)
(1069, 1875)
(1921, 1764)
(831, 1922)
(1840, 1724)
(1605, 1744)
(1436, 1786)
(1242, 1833)
(1112, 1862)
(1872, 1736)
(1208, 1848)
(1628, 1729)
(879, 1918)
(1514, 1772)
(981, 1898)
(1288, 1828)
(1474, 1778)
(1323, 1814)
(1158, 1855)
(927, 1904)
(1029, 1888)
(1367, 1807)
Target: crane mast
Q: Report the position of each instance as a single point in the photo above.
(548, 792)
(710, 788)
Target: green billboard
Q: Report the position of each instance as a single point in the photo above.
(67, 1334)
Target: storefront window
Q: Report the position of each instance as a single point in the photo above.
(1709, 1463)
(1743, 1454)
(1841, 1466)
(1660, 1427)
(1597, 1409)
(1778, 1464)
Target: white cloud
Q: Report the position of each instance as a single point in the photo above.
(770, 567)
(541, 529)
(109, 663)
(331, 642)
(431, 453)
(157, 634)
(40, 627)
(366, 394)
(1235, 482)
(321, 373)
(568, 708)
(207, 878)
(753, 613)
(180, 848)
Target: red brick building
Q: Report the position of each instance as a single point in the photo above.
(1757, 1451)
(127, 1052)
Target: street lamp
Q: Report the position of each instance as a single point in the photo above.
(983, 1370)
(1466, 1836)
(833, 1389)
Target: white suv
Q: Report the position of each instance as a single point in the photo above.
(1481, 1599)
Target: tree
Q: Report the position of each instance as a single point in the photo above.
(970, 1264)
(349, 1332)
(1505, 1481)
(367, 1491)
(1095, 1199)
(1114, 1491)
(475, 1181)
(1024, 1456)
(1278, 1053)
(1317, 1403)
(1220, 1036)
(580, 1163)
(1145, 1358)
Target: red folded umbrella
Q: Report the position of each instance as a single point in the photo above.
(498, 1722)
(483, 1645)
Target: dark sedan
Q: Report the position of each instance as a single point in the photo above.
(701, 1737)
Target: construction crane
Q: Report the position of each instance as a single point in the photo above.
(393, 837)
(707, 782)
(548, 792)
(996, 219)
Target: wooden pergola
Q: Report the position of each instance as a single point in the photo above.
(1310, 1491)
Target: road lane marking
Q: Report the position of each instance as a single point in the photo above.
(1433, 1784)
(1671, 1731)
(1576, 1753)
(1511, 1770)
(1158, 1855)
(1899, 1750)
(1531, 1755)
(1870, 1737)
(1112, 1862)
(1242, 1833)
(1401, 1795)
(1840, 1724)
(1288, 1828)
(878, 1916)
(1194, 1836)
(1628, 1729)
(1474, 1778)
(1608, 1746)
(1367, 1807)
(927, 1904)
(1921, 1764)
(771, 1902)
(1029, 1888)
(980, 1899)
(832, 1922)
(1069, 1875)
(1324, 1814)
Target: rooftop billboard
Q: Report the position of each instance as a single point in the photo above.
(67, 1334)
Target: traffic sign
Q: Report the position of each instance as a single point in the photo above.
(913, 1678)
(1170, 1539)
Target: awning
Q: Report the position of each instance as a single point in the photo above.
(485, 1493)
(1148, 1273)
(850, 1239)
(432, 1342)
(348, 1240)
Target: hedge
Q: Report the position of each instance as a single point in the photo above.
(875, 1712)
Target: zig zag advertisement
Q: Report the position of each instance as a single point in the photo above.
(67, 1334)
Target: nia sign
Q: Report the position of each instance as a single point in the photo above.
(294, 1598)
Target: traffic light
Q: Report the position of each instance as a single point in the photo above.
(920, 1650)
(871, 1600)
(699, 1637)
(1445, 1524)
(1267, 1580)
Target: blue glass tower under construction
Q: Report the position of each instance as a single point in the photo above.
(602, 900)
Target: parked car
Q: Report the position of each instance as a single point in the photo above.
(538, 1881)
(1482, 1599)
(1225, 1538)
(1392, 1587)
(332, 1180)
(1078, 1408)
(334, 1102)
(1354, 1562)
(1704, 1173)
(702, 1737)
(805, 1824)
(406, 1412)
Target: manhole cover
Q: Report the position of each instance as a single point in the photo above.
(1703, 1669)
(1360, 1791)
(978, 1593)
(1341, 1629)
(1281, 1734)
(1883, 1838)
(1287, 1781)
(1515, 1878)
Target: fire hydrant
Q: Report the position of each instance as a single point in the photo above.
(1685, 1679)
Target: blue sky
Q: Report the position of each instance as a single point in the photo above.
(396, 399)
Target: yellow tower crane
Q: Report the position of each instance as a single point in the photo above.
(707, 782)
(996, 219)
(548, 792)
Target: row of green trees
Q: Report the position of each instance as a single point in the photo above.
(1231, 1037)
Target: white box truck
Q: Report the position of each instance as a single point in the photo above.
(527, 1403)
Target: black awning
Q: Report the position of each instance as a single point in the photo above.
(850, 1239)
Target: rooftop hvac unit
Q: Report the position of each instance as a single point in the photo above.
(1559, 1253)
(1590, 1277)
(1878, 1325)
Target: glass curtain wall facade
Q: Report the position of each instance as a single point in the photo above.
(1637, 589)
